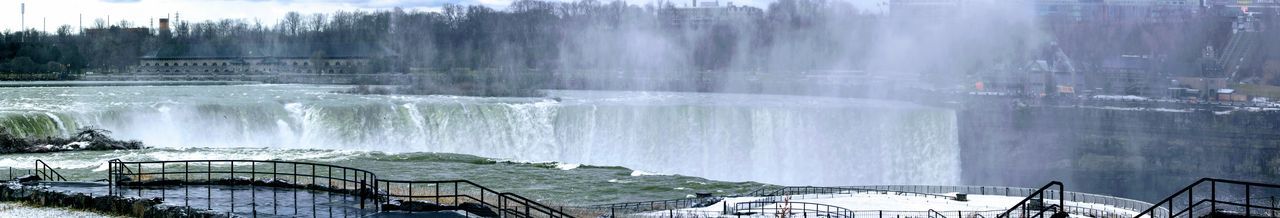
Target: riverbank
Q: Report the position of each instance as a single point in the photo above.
(119, 83)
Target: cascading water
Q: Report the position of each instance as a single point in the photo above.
(775, 139)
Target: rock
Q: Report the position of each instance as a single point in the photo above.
(276, 183)
(422, 206)
(21, 193)
(479, 209)
(706, 202)
(28, 179)
(124, 179)
(391, 206)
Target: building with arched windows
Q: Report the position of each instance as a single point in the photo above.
(250, 65)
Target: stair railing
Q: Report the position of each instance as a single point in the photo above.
(1217, 197)
(1025, 206)
(47, 173)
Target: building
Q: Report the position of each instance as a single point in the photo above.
(1126, 74)
(1235, 7)
(136, 31)
(164, 24)
(250, 65)
(1060, 10)
(1148, 11)
(1052, 73)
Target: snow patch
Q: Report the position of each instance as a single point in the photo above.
(645, 173)
(1121, 97)
(566, 166)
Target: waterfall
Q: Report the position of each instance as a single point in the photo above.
(774, 139)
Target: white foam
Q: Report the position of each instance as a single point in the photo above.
(644, 173)
(565, 166)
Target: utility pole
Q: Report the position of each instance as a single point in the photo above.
(23, 16)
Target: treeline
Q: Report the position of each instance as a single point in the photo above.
(64, 52)
(36, 52)
(582, 35)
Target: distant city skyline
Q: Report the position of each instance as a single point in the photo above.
(141, 13)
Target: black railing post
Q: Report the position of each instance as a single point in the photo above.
(1213, 197)
(361, 195)
(1062, 202)
(139, 178)
(111, 181)
(1191, 212)
(1248, 204)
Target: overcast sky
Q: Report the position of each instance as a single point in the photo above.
(141, 12)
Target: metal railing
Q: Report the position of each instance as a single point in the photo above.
(810, 190)
(41, 170)
(1084, 203)
(458, 192)
(1218, 200)
(927, 213)
(641, 206)
(791, 208)
(1027, 204)
(935, 214)
(1077, 203)
(243, 172)
(45, 172)
(362, 184)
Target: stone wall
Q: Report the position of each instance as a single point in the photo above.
(133, 207)
(1144, 154)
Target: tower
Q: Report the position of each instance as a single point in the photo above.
(164, 24)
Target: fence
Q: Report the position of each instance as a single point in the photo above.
(613, 210)
(773, 212)
(1077, 201)
(363, 184)
(1223, 197)
(41, 169)
(458, 192)
(1035, 202)
(792, 209)
(810, 190)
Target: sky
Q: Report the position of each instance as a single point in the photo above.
(53, 13)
